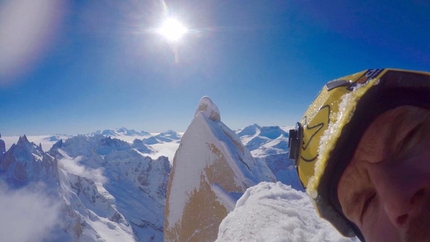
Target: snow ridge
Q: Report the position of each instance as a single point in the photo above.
(276, 212)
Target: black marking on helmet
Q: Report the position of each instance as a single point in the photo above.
(317, 127)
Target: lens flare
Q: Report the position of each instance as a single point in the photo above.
(26, 30)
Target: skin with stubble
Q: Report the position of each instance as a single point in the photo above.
(385, 190)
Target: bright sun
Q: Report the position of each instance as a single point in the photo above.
(172, 30)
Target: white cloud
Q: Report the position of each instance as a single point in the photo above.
(72, 165)
(28, 214)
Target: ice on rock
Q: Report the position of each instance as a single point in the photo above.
(209, 109)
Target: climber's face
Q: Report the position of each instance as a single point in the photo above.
(385, 190)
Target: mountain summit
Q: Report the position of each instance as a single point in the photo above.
(211, 170)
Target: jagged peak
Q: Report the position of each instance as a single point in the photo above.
(272, 132)
(23, 139)
(256, 125)
(57, 145)
(250, 130)
(208, 108)
(2, 147)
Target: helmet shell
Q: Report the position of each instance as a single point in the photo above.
(326, 137)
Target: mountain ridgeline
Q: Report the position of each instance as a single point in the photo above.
(108, 188)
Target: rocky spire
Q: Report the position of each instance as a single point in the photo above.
(2, 146)
(211, 169)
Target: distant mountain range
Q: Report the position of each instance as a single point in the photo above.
(264, 141)
(121, 132)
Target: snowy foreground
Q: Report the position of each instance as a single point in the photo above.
(276, 212)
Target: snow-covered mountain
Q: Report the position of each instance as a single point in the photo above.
(26, 162)
(105, 189)
(134, 184)
(264, 141)
(152, 144)
(270, 144)
(211, 170)
(168, 136)
(45, 141)
(25, 165)
(147, 138)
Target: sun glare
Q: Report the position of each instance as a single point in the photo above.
(172, 30)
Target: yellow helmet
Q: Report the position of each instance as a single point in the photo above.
(324, 141)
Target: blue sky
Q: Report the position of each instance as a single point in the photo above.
(78, 66)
